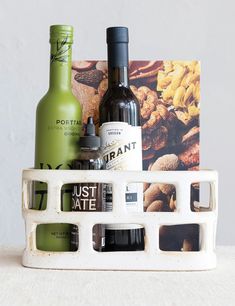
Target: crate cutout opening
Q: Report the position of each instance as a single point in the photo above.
(201, 197)
(56, 237)
(84, 197)
(159, 197)
(37, 195)
(122, 237)
(180, 237)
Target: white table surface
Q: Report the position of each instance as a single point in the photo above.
(24, 286)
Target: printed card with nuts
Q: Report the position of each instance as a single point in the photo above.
(169, 97)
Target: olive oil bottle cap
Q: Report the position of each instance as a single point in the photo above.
(61, 33)
(89, 140)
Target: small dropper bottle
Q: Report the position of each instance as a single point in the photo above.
(89, 196)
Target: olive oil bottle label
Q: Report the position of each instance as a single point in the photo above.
(122, 150)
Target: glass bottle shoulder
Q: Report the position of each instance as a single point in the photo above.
(59, 100)
(120, 104)
(119, 95)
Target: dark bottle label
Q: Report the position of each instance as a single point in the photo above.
(87, 197)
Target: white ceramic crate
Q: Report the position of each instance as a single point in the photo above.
(152, 258)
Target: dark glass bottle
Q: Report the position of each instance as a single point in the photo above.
(120, 133)
(88, 196)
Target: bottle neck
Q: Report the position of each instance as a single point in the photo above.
(60, 66)
(118, 65)
(118, 77)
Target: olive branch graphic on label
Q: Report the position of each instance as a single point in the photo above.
(61, 51)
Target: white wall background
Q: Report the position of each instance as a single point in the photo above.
(169, 29)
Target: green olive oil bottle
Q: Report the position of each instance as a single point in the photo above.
(58, 126)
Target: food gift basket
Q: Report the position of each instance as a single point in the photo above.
(179, 225)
